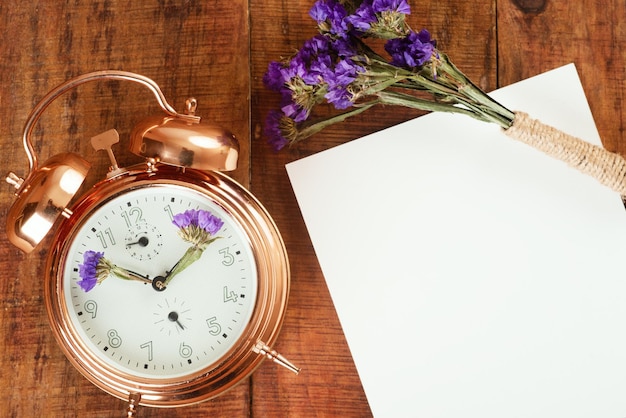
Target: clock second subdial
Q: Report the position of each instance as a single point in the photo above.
(172, 316)
(144, 241)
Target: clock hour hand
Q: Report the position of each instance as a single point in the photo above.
(126, 274)
(96, 268)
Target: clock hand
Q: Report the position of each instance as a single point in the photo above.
(192, 255)
(173, 317)
(96, 268)
(198, 227)
(126, 274)
(142, 242)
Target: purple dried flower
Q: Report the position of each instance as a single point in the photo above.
(363, 17)
(185, 219)
(88, 271)
(197, 226)
(344, 48)
(412, 51)
(307, 65)
(330, 16)
(314, 59)
(339, 82)
(209, 222)
(301, 80)
(295, 111)
(273, 78)
(368, 13)
(340, 97)
(345, 72)
(273, 130)
(339, 67)
(399, 6)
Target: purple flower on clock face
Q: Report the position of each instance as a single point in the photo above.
(198, 226)
(184, 219)
(209, 222)
(88, 271)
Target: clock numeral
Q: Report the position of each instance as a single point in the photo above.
(115, 340)
(185, 351)
(106, 237)
(169, 211)
(133, 216)
(91, 307)
(229, 295)
(214, 327)
(148, 346)
(229, 259)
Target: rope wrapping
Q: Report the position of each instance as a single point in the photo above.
(607, 167)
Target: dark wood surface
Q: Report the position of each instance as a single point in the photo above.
(218, 51)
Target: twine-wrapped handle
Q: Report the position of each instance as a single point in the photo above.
(607, 167)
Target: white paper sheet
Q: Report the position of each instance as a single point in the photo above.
(474, 276)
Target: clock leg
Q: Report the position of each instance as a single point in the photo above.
(262, 349)
(133, 401)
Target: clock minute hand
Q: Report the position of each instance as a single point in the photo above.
(198, 227)
(192, 255)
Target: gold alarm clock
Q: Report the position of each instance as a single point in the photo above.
(167, 282)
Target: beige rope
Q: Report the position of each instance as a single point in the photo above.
(607, 167)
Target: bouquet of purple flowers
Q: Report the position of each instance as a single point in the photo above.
(338, 67)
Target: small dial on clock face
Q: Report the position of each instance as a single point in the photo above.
(143, 241)
(205, 267)
(172, 316)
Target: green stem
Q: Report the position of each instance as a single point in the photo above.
(471, 90)
(450, 86)
(192, 255)
(309, 130)
(400, 99)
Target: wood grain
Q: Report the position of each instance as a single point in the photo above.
(188, 48)
(329, 385)
(587, 33)
(218, 52)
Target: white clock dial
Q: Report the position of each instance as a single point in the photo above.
(138, 328)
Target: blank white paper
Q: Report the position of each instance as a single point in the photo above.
(473, 275)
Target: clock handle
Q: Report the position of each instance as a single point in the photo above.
(45, 192)
(82, 79)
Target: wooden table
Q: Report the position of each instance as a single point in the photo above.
(218, 52)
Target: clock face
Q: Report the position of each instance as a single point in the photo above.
(159, 282)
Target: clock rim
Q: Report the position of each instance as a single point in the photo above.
(273, 275)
